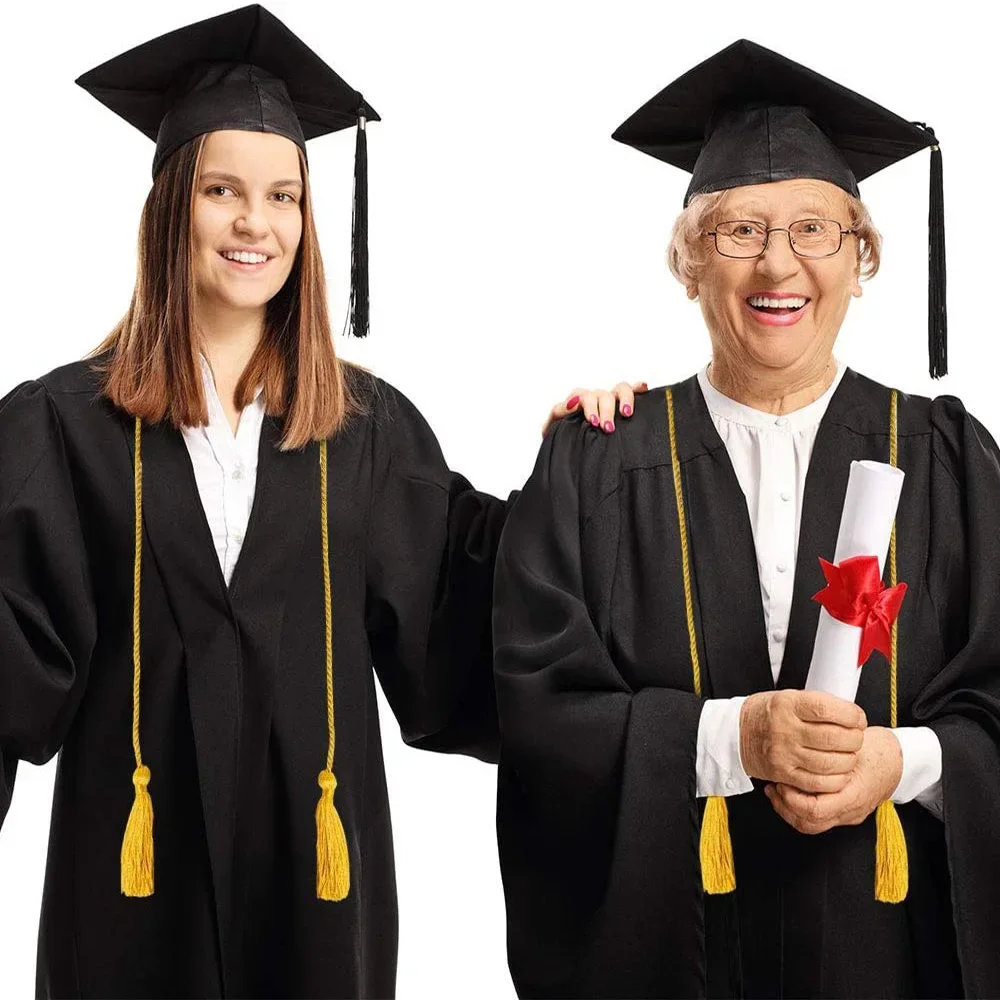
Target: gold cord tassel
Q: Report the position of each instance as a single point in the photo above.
(137, 844)
(718, 873)
(892, 872)
(333, 871)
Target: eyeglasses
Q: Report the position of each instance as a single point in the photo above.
(810, 238)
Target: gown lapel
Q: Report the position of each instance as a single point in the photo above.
(231, 635)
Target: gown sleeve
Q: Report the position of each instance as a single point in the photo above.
(962, 703)
(47, 614)
(594, 776)
(431, 555)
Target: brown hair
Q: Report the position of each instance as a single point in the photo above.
(688, 250)
(154, 370)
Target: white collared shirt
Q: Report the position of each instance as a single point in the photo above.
(770, 455)
(225, 469)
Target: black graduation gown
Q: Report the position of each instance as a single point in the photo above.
(233, 696)
(598, 821)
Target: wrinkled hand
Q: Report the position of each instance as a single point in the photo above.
(807, 739)
(598, 406)
(873, 780)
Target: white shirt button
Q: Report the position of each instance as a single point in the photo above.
(785, 495)
(780, 421)
(778, 636)
(731, 784)
(238, 473)
(781, 567)
(238, 537)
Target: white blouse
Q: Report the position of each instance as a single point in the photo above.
(770, 455)
(225, 469)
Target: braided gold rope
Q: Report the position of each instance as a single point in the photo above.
(893, 458)
(136, 586)
(327, 604)
(682, 521)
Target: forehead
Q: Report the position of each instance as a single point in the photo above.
(250, 154)
(794, 199)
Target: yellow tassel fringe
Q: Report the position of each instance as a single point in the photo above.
(892, 872)
(333, 873)
(718, 873)
(137, 845)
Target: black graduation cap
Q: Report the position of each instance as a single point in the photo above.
(240, 70)
(748, 115)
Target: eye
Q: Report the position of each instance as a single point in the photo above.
(218, 187)
(285, 194)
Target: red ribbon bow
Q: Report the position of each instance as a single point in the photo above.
(855, 595)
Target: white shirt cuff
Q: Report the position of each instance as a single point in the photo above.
(921, 778)
(718, 768)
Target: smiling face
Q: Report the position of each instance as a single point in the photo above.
(248, 197)
(748, 332)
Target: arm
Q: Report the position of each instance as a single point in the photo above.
(597, 781)
(47, 616)
(432, 544)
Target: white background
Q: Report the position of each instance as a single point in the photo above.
(516, 252)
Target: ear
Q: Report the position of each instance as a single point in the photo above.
(692, 292)
(856, 289)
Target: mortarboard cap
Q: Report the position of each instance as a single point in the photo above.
(240, 70)
(748, 115)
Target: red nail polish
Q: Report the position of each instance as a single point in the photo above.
(572, 401)
(594, 419)
(608, 426)
(626, 410)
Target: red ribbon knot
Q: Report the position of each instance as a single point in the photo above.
(854, 594)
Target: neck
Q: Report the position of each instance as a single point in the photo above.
(773, 391)
(229, 338)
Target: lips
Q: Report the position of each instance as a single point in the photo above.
(777, 308)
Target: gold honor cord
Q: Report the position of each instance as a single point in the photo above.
(892, 872)
(718, 873)
(137, 844)
(333, 873)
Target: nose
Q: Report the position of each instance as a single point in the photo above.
(253, 221)
(778, 261)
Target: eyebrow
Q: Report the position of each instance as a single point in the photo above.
(233, 179)
(753, 211)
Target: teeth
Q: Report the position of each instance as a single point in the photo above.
(243, 257)
(763, 302)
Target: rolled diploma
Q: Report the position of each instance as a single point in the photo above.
(873, 490)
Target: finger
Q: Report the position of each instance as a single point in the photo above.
(827, 737)
(809, 781)
(789, 815)
(818, 809)
(588, 405)
(640, 387)
(817, 706)
(830, 762)
(606, 406)
(626, 399)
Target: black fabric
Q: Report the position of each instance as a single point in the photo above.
(748, 115)
(240, 70)
(597, 816)
(233, 715)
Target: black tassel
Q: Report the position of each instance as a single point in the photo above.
(937, 310)
(359, 236)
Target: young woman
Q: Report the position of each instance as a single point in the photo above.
(212, 534)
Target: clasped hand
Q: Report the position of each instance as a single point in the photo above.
(824, 766)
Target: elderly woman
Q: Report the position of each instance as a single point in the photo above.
(654, 621)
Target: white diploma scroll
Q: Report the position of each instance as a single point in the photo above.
(873, 490)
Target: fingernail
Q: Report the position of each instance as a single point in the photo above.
(608, 426)
(626, 410)
(594, 419)
(572, 401)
